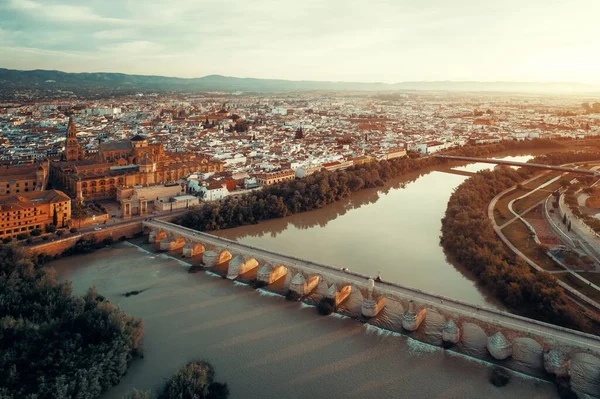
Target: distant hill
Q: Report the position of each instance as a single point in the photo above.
(118, 82)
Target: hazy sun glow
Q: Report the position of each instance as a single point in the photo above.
(350, 40)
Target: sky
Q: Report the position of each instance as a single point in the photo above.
(338, 40)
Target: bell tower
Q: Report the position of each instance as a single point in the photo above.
(73, 151)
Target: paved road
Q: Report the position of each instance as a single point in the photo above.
(531, 263)
(505, 320)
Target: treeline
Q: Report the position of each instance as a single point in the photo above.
(468, 235)
(560, 158)
(54, 344)
(323, 188)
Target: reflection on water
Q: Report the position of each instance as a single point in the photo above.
(476, 167)
(266, 347)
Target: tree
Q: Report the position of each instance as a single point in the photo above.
(194, 381)
(54, 217)
(78, 211)
(569, 226)
(75, 346)
(564, 219)
(50, 228)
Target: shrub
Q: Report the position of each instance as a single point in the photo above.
(6, 240)
(256, 283)
(36, 232)
(45, 238)
(195, 380)
(29, 240)
(50, 228)
(292, 296)
(60, 233)
(108, 241)
(22, 236)
(73, 230)
(499, 377)
(326, 306)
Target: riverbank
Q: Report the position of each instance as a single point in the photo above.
(266, 347)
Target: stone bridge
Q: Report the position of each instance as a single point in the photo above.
(516, 342)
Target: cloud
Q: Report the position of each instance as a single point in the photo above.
(374, 40)
(61, 12)
(114, 34)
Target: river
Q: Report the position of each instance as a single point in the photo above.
(394, 230)
(266, 347)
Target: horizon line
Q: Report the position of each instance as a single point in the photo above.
(317, 81)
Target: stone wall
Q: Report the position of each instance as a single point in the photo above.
(58, 246)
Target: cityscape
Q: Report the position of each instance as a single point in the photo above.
(381, 218)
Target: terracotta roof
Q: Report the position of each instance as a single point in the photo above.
(31, 199)
(138, 137)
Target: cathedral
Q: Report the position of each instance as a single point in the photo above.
(120, 164)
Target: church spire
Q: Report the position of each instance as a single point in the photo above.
(71, 131)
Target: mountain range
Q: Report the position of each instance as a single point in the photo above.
(57, 80)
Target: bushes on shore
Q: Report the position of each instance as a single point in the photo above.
(195, 380)
(55, 344)
(467, 233)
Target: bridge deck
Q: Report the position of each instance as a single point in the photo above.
(521, 164)
(546, 331)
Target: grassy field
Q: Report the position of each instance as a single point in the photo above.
(579, 285)
(518, 234)
(529, 201)
(501, 212)
(593, 277)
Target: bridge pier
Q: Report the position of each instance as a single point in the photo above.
(450, 333)
(499, 346)
(302, 286)
(338, 296)
(238, 266)
(411, 320)
(192, 249)
(370, 307)
(212, 258)
(171, 243)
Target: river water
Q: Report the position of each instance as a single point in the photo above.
(266, 347)
(394, 230)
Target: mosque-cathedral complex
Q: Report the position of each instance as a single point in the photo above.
(120, 164)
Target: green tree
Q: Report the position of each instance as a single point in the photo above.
(194, 381)
(55, 344)
(55, 217)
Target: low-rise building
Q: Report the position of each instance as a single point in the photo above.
(179, 202)
(395, 153)
(23, 178)
(304, 171)
(267, 179)
(23, 212)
